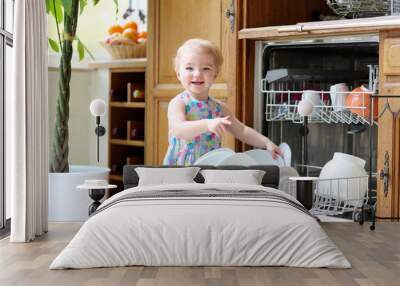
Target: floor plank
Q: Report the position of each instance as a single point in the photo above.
(374, 255)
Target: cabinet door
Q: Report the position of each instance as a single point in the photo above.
(170, 24)
(389, 125)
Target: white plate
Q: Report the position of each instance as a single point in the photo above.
(264, 157)
(287, 153)
(240, 159)
(214, 157)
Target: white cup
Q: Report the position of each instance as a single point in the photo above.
(338, 93)
(314, 97)
(305, 107)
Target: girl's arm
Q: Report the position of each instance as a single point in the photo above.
(187, 130)
(248, 135)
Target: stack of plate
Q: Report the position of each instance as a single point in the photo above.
(226, 156)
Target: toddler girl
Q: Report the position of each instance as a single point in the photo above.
(196, 120)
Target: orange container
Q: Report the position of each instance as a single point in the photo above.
(360, 97)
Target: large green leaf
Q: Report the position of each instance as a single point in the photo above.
(82, 5)
(82, 45)
(95, 2)
(67, 4)
(81, 50)
(88, 51)
(55, 8)
(54, 45)
(116, 7)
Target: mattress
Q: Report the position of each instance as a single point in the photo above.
(201, 225)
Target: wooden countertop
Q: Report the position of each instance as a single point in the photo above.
(366, 26)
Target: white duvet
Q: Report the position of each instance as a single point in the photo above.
(200, 231)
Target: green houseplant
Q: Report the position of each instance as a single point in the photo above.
(66, 14)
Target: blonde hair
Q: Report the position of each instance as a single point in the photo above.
(201, 46)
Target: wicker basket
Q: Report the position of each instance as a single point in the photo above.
(126, 51)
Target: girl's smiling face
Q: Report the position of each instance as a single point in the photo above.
(197, 73)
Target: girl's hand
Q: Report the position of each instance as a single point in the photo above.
(217, 125)
(274, 149)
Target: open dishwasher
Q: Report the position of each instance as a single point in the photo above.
(288, 72)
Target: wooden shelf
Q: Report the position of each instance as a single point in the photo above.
(126, 117)
(128, 104)
(120, 63)
(115, 177)
(138, 143)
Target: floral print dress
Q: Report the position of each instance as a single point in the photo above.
(186, 152)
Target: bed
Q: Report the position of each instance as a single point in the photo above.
(201, 224)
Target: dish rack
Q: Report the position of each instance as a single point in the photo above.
(338, 196)
(395, 7)
(284, 88)
(357, 8)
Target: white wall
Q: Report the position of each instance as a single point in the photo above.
(100, 89)
(86, 84)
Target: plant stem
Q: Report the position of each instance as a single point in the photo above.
(60, 149)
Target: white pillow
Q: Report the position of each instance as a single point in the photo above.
(165, 176)
(249, 177)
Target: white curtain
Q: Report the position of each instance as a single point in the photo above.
(26, 123)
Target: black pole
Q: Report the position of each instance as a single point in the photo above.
(304, 155)
(306, 144)
(98, 136)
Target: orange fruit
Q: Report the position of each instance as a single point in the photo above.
(121, 40)
(130, 25)
(143, 35)
(115, 29)
(130, 34)
(109, 38)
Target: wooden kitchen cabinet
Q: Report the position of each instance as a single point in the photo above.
(389, 125)
(172, 22)
(126, 144)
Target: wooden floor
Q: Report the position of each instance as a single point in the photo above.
(375, 257)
